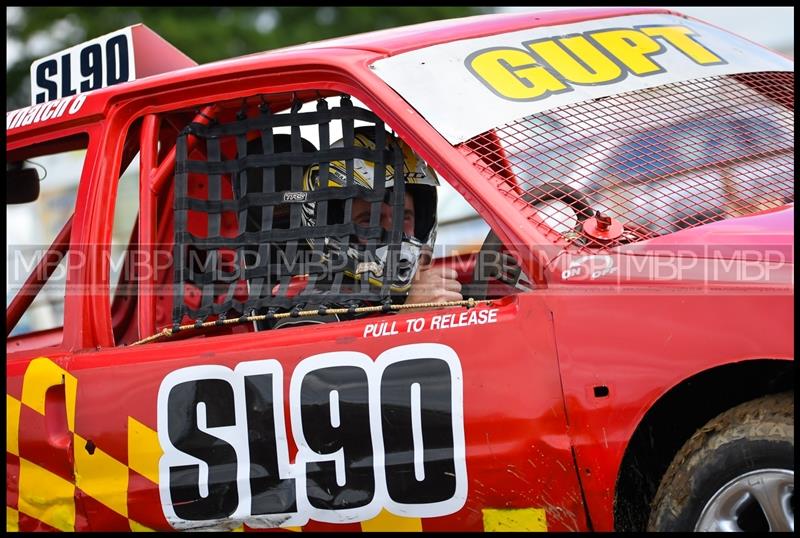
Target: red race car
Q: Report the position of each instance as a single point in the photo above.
(509, 272)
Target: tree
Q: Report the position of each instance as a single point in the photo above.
(205, 34)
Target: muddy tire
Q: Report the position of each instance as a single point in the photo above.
(735, 473)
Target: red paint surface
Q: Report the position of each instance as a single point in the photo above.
(528, 402)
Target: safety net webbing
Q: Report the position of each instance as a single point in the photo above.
(270, 243)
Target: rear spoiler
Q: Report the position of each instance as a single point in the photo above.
(128, 54)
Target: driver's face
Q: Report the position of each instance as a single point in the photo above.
(361, 211)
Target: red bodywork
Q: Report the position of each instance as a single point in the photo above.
(553, 392)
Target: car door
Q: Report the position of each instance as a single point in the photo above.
(436, 419)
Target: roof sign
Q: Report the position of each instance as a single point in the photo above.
(121, 56)
(466, 87)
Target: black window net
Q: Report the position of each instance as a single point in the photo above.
(283, 230)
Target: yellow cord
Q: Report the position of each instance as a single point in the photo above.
(169, 331)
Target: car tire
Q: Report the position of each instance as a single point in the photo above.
(735, 473)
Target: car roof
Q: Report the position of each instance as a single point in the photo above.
(380, 43)
(406, 38)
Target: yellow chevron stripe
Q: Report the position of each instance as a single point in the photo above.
(12, 425)
(41, 374)
(386, 521)
(101, 477)
(71, 394)
(144, 450)
(56, 506)
(521, 519)
(12, 520)
(138, 527)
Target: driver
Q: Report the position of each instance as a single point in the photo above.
(417, 281)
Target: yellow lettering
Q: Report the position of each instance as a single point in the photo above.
(511, 73)
(586, 64)
(632, 48)
(679, 37)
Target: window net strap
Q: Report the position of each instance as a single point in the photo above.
(245, 264)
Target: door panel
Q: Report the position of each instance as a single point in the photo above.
(438, 420)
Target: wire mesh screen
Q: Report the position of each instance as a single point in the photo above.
(241, 247)
(658, 160)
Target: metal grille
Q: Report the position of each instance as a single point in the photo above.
(657, 160)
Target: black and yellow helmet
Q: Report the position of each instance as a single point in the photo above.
(420, 182)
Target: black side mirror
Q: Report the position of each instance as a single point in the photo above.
(22, 185)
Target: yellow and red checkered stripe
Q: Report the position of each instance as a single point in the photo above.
(54, 481)
(57, 480)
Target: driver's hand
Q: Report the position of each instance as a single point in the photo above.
(434, 284)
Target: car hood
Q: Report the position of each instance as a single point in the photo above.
(765, 236)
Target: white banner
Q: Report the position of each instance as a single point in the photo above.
(466, 87)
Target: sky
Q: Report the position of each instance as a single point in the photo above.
(772, 27)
